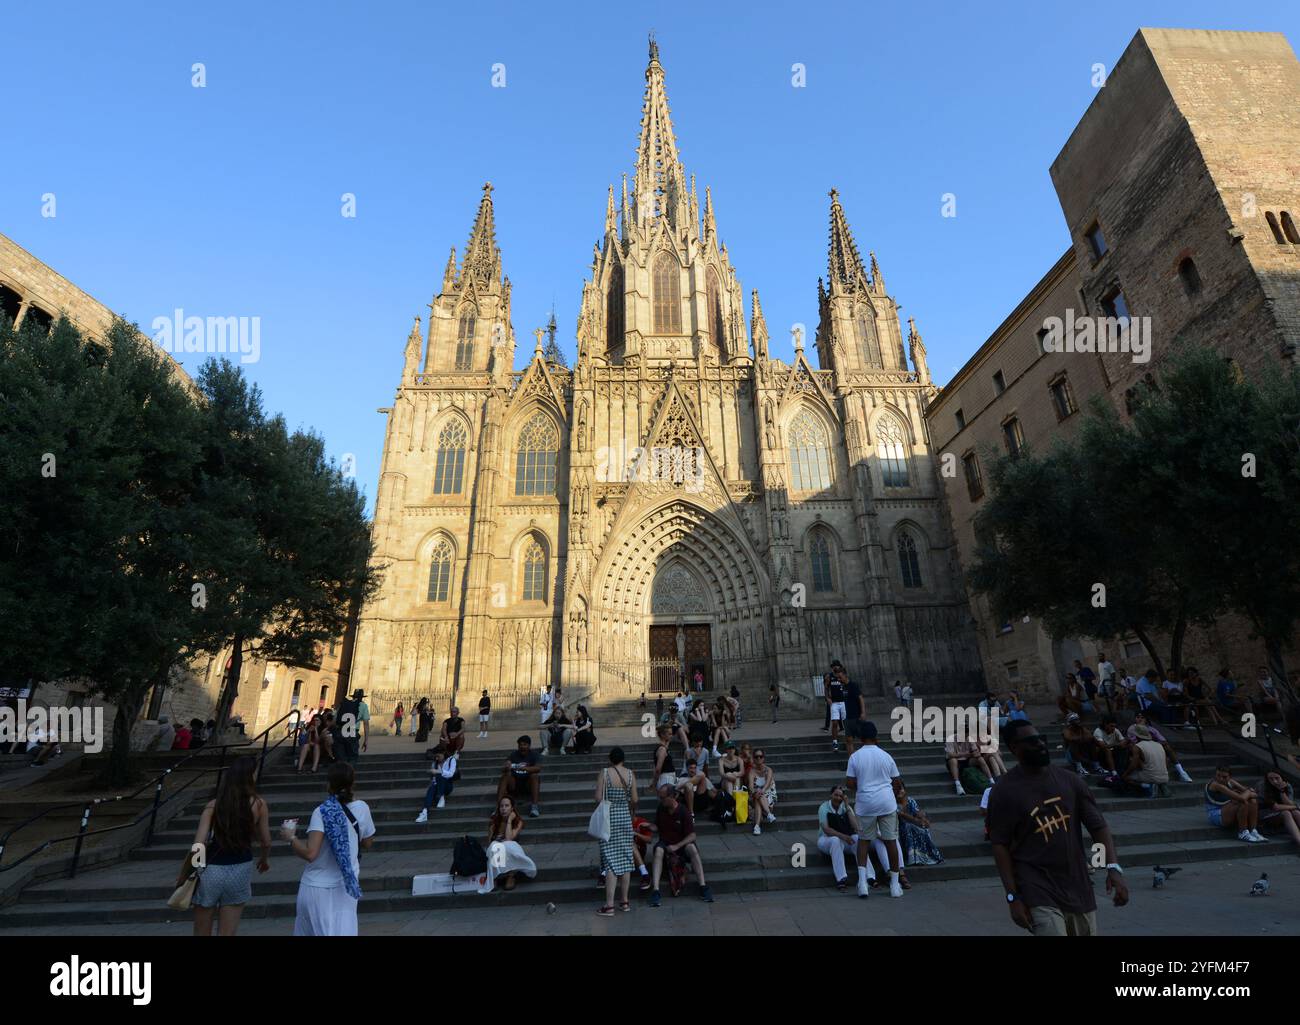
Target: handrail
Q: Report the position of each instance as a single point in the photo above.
(156, 782)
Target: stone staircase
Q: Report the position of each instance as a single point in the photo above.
(1149, 831)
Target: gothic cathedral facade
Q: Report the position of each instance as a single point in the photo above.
(531, 531)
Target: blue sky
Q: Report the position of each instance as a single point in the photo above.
(225, 200)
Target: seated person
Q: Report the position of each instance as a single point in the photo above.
(694, 787)
(720, 725)
(989, 749)
(992, 709)
(676, 730)
(1233, 806)
(1267, 700)
(675, 845)
(452, 736)
(839, 833)
(521, 777)
(506, 856)
(1225, 693)
(443, 782)
(731, 769)
(1171, 756)
(1149, 696)
(326, 736)
(914, 835)
(958, 755)
(584, 733)
(1086, 677)
(198, 734)
(700, 753)
(762, 791)
(1147, 765)
(1112, 738)
(181, 742)
(1014, 708)
(665, 770)
(1082, 750)
(1277, 806)
(1173, 695)
(697, 722)
(643, 834)
(557, 728)
(1075, 699)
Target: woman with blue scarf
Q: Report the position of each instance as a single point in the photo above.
(340, 827)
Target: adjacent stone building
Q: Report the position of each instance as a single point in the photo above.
(679, 504)
(1181, 189)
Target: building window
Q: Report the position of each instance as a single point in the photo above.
(961, 420)
(1042, 340)
(974, 480)
(668, 296)
(1289, 229)
(38, 319)
(819, 553)
(868, 341)
(614, 310)
(324, 695)
(439, 572)
(449, 472)
(713, 304)
(1189, 275)
(1013, 670)
(1273, 226)
(465, 340)
(1096, 241)
(892, 452)
(535, 459)
(534, 571)
(1134, 649)
(1114, 304)
(10, 302)
(908, 561)
(810, 458)
(333, 645)
(1062, 398)
(297, 694)
(1012, 435)
(999, 383)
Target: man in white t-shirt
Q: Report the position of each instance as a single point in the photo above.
(871, 772)
(547, 704)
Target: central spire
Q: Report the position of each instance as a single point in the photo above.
(482, 258)
(660, 178)
(845, 263)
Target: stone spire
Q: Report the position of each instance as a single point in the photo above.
(758, 326)
(917, 348)
(660, 180)
(611, 223)
(710, 225)
(877, 279)
(482, 257)
(449, 272)
(845, 263)
(413, 345)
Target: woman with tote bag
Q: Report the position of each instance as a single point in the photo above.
(616, 788)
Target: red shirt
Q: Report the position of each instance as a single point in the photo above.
(674, 826)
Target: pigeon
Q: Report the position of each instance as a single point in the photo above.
(1260, 889)
(1161, 876)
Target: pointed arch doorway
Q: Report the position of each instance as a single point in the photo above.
(681, 631)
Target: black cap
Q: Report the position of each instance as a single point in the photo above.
(868, 730)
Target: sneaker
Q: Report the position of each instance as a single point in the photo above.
(1082, 771)
(655, 899)
(758, 830)
(706, 895)
(535, 812)
(442, 802)
(771, 817)
(1244, 836)
(1182, 774)
(863, 891)
(842, 884)
(1256, 837)
(956, 785)
(606, 912)
(423, 816)
(895, 888)
(717, 753)
(645, 883)
(835, 745)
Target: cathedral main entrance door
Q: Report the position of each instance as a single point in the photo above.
(688, 665)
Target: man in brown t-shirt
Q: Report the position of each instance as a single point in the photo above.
(1035, 820)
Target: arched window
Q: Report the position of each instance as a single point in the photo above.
(868, 341)
(614, 310)
(819, 553)
(1189, 275)
(908, 561)
(449, 473)
(1274, 227)
(810, 461)
(713, 304)
(440, 571)
(891, 450)
(535, 458)
(465, 340)
(668, 296)
(1289, 229)
(534, 571)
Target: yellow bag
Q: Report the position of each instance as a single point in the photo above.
(742, 806)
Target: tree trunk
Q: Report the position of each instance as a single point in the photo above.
(230, 688)
(120, 758)
(1277, 668)
(1176, 645)
(1151, 649)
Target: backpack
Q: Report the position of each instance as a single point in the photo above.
(468, 857)
(973, 781)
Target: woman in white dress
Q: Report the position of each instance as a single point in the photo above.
(340, 826)
(505, 856)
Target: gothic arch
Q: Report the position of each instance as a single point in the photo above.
(676, 588)
(889, 409)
